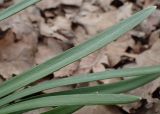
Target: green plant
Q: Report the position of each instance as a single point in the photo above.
(66, 102)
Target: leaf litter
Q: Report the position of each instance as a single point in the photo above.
(53, 26)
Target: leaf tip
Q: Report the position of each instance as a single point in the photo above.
(153, 8)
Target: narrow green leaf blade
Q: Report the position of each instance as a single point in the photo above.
(70, 100)
(80, 79)
(63, 110)
(118, 87)
(16, 8)
(75, 53)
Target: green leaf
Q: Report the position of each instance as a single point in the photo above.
(16, 8)
(75, 53)
(80, 79)
(70, 100)
(64, 110)
(118, 87)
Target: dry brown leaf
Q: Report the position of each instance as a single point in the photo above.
(81, 36)
(98, 23)
(9, 69)
(150, 24)
(1, 80)
(95, 21)
(19, 61)
(147, 90)
(19, 44)
(146, 93)
(155, 36)
(117, 49)
(15, 57)
(49, 49)
(59, 28)
(148, 58)
(21, 24)
(47, 4)
(72, 2)
(67, 71)
(155, 109)
(94, 62)
(58, 89)
(98, 110)
(113, 80)
(104, 4)
(38, 111)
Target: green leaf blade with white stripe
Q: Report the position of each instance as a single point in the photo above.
(16, 8)
(71, 100)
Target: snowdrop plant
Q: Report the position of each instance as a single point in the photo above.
(67, 102)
